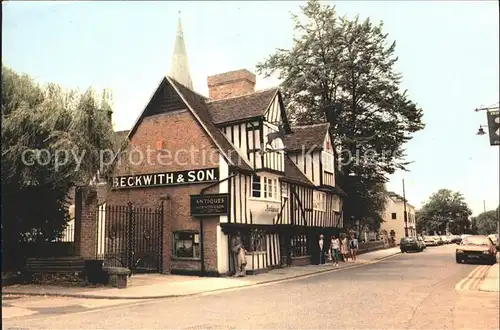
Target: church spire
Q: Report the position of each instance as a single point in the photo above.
(180, 67)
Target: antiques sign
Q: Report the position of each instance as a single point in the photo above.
(209, 205)
(166, 178)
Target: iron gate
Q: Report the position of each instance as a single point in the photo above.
(130, 236)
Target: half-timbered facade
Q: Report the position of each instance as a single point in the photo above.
(279, 179)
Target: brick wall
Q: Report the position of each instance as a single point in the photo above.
(231, 84)
(178, 130)
(86, 223)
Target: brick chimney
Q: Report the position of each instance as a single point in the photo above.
(231, 84)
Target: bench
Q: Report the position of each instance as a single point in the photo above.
(55, 265)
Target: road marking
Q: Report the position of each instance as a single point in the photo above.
(472, 281)
(155, 300)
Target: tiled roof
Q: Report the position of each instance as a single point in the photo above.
(241, 107)
(336, 190)
(307, 137)
(198, 104)
(293, 173)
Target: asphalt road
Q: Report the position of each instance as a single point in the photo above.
(407, 291)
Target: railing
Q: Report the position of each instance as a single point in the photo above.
(68, 234)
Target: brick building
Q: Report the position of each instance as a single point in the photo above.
(271, 182)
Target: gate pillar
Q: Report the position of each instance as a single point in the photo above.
(86, 223)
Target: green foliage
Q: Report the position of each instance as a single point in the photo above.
(45, 122)
(486, 222)
(444, 206)
(337, 61)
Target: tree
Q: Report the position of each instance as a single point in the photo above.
(51, 141)
(342, 71)
(444, 208)
(486, 222)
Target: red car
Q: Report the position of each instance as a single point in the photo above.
(477, 248)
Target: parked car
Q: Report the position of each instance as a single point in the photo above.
(410, 244)
(446, 239)
(430, 241)
(456, 238)
(422, 243)
(439, 240)
(476, 248)
(494, 238)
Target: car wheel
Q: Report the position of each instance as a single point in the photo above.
(402, 251)
(493, 261)
(459, 261)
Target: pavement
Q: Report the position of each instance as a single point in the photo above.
(491, 283)
(405, 291)
(156, 286)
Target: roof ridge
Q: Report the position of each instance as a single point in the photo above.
(311, 125)
(241, 96)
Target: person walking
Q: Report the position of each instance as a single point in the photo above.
(353, 246)
(344, 248)
(334, 250)
(321, 247)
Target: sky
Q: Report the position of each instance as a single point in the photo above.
(448, 55)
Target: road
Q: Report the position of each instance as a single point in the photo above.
(407, 291)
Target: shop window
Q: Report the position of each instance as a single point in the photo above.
(186, 245)
(299, 246)
(254, 240)
(393, 215)
(319, 200)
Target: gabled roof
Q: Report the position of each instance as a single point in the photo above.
(293, 173)
(241, 107)
(195, 103)
(306, 137)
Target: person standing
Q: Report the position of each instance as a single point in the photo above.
(353, 246)
(334, 250)
(321, 246)
(344, 248)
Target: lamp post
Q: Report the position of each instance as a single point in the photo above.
(404, 208)
(493, 116)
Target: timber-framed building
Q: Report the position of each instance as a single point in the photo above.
(241, 167)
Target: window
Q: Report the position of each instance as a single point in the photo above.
(327, 160)
(256, 186)
(299, 246)
(265, 187)
(254, 240)
(186, 245)
(393, 215)
(319, 200)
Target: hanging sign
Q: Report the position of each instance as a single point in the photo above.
(209, 205)
(166, 178)
(494, 127)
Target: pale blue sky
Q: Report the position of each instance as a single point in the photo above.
(449, 56)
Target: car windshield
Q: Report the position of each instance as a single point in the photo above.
(476, 240)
